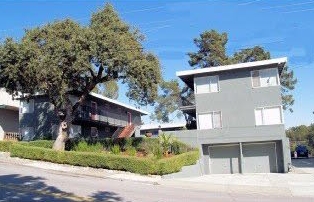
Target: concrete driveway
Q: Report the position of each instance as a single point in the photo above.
(303, 165)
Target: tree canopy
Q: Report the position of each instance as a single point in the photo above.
(64, 56)
(211, 52)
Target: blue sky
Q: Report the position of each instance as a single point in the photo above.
(285, 28)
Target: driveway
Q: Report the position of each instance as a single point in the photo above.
(24, 183)
(303, 165)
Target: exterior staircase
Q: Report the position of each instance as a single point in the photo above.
(127, 131)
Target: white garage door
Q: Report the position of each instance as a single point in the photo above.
(259, 158)
(224, 159)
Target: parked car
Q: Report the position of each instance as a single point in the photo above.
(302, 151)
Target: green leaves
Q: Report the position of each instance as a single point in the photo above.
(212, 52)
(65, 56)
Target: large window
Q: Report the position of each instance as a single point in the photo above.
(210, 120)
(27, 107)
(268, 115)
(265, 77)
(207, 84)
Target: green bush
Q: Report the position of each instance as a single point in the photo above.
(131, 151)
(107, 161)
(96, 160)
(175, 163)
(5, 146)
(158, 152)
(41, 143)
(115, 149)
(86, 147)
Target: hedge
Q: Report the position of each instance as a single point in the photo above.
(39, 143)
(108, 161)
(5, 146)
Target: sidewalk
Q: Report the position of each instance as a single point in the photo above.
(291, 184)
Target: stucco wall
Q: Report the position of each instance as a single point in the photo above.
(237, 99)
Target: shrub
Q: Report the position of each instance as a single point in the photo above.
(86, 147)
(178, 147)
(5, 146)
(175, 163)
(42, 143)
(104, 160)
(115, 149)
(158, 152)
(96, 160)
(131, 151)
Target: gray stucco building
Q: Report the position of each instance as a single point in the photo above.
(240, 125)
(98, 117)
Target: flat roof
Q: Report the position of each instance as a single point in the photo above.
(186, 75)
(162, 126)
(118, 103)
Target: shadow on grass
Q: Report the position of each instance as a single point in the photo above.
(16, 187)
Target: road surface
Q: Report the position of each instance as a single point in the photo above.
(23, 183)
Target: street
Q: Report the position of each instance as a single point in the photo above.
(304, 165)
(23, 183)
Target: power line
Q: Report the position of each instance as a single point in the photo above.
(297, 11)
(288, 5)
(248, 3)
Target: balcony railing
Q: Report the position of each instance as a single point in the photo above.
(12, 136)
(102, 115)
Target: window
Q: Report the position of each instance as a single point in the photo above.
(265, 77)
(27, 107)
(210, 120)
(268, 115)
(207, 84)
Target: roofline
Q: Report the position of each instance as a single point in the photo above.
(232, 67)
(118, 103)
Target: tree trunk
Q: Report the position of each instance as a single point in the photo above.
(59, 144)
(65, 117)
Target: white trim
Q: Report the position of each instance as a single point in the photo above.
(162, 126)
(210, 112)
(231, 67)
(272, 106)
(118, 103)
(209, 84)
(259, 75)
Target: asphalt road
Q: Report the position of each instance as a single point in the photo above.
(23, 183)
(303, 162)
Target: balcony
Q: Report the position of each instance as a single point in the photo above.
(188, 107)
(101, 116)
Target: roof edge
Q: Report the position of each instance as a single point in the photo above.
(232, 66)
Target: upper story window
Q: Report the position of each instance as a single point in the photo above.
(210, 120)
(26, 107)
(268, 115)
(207, 84)
(265, 77)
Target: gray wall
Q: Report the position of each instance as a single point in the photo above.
(9, 121)
(237, 99)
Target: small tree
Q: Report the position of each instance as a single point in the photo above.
(63, 57)
(166, 142)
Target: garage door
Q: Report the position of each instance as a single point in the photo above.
(224, 159)
(259, 158)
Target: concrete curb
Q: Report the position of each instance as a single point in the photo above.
(281, 185)
(78, 170)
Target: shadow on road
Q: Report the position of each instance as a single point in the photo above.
(28, 188)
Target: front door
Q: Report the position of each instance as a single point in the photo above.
(129, 118)
(93, 110)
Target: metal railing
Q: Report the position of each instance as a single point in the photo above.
(101, 115)
(12, 136)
